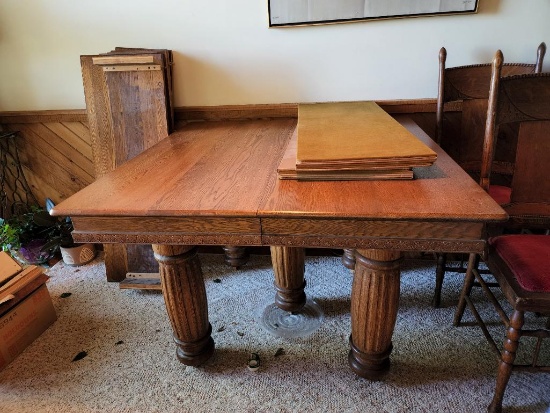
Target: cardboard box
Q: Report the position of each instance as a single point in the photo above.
(8, 267)
(22, 324)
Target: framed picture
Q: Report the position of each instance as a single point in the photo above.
(284, 13)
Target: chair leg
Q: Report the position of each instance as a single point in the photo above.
(439, 276)
(506, 363)
(466, 289)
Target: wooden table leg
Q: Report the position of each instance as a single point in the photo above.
(185, 298)
(236, 256)
(374, 304)
(348, 258)
(289, 266)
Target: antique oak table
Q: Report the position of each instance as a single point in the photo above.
(215, 183)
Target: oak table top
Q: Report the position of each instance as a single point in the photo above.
(219, 180)
(215, 183)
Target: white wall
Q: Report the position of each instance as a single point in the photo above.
(226, 54)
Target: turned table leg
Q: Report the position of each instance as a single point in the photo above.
(185, 298)
(236, 256)
(374, 304)
(289, 266)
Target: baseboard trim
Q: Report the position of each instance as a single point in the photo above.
(285, 110)
(44, 116)
(214, 113)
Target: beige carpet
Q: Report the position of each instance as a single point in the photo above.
(131, 366)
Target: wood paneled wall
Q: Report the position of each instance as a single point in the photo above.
(55, 150)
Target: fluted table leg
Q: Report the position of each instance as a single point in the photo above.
(374, 304)
(185, 299)
(289, 265)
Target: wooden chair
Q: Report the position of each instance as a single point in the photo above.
(520, 263)
(463, 92)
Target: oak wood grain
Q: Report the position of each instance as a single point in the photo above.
(289, 267)
(50, 180)
(185, 299)
(208, 167)
(375, 299)
(205, 169)
(129, 110)
(216, 182)
(430, 196)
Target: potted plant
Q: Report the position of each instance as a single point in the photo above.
(60, 239)
(33, 236)
(25, 234)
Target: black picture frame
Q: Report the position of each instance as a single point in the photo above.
(288, 13)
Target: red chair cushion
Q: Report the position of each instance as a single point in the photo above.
(528, 256)
(501, 194)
